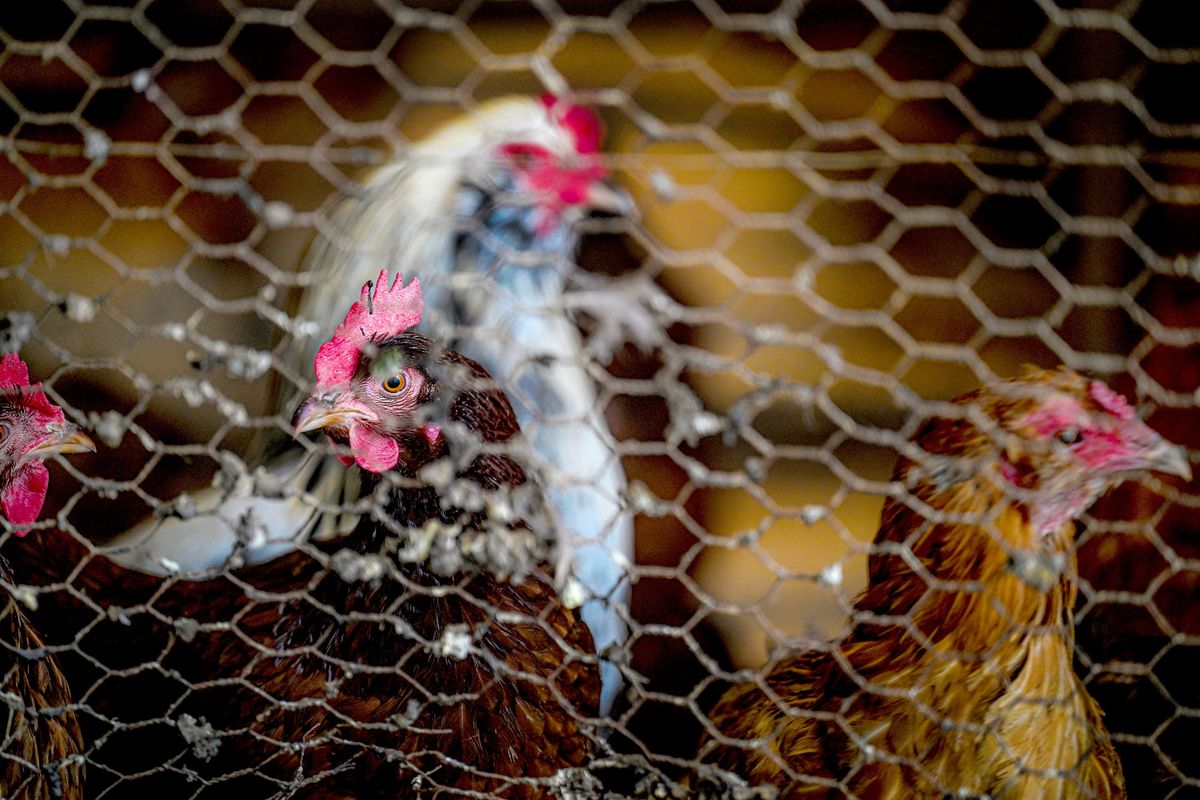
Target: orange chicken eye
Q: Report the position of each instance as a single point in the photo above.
(394, 383)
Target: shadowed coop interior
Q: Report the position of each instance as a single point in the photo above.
(846, 210)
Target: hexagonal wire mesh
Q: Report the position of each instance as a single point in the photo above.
(846, 210)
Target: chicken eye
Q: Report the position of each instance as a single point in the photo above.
(3, 433)
(1069, 436)
(394, 383)
(524, 157)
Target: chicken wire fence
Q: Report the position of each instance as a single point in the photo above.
(844, 211)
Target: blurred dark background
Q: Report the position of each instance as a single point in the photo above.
(862, 205)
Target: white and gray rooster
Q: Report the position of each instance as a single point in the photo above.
(483, 213)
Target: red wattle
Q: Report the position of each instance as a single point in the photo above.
(372, 450)
(21, 500)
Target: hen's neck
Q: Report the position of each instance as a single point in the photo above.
(964, 638)
(507, 231)
(974, 587)
(410, 503)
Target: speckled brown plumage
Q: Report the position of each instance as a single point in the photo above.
(332, 688)
(511, 709)
(955, 676)
(40, 743)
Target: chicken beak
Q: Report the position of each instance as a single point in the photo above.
(609, 198)
(1162, 456)
(325, 412)
(68, 440)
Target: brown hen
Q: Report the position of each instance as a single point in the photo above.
(955, 678)
(390, 662)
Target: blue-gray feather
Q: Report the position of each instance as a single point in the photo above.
(512, 320)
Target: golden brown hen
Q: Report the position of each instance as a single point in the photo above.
(955, 678)
(40, 743)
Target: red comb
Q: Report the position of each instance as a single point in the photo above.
(582, 123)
(14, 379)
(382, 310)
(1110, 401)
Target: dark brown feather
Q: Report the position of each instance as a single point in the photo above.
(41, 747)
(323, 687)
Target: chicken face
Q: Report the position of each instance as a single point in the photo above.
(373, 414)
(560, 167)
(31, 430)
(1065, 440)
(371, 378)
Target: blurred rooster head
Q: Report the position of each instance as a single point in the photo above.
(370, 378)
(31, 430)
(1062, 440)
(544, 152)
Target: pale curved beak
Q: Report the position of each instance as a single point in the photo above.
(69, 440)
(612, 199)
(1162, 456)
(325, 412)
